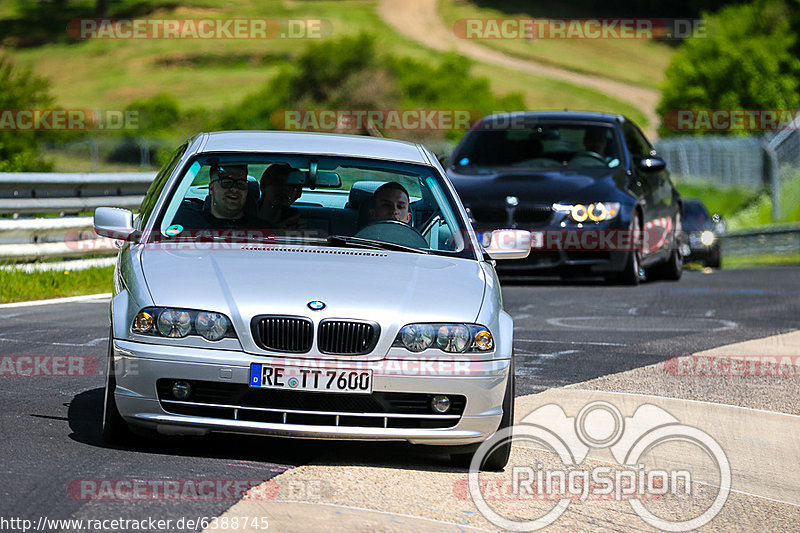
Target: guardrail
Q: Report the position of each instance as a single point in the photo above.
(23, 194)
(27, 193)
(25, 238)
(782, 240)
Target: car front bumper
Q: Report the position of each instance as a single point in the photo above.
(139, 366)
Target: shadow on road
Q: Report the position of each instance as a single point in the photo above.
(85, 416)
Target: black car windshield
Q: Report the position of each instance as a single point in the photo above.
(548, 145)
(695, 212)
(307, 200)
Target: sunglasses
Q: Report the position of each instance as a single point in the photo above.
(227, 183)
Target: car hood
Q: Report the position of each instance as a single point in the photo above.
(539, 187)
(383, 286)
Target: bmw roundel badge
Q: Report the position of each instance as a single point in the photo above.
(316, 305)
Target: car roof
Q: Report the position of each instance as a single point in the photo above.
(313, 143)
(588, 116)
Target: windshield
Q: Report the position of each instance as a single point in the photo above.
(550, 145)
(314, 200)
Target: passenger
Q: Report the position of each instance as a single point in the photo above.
(277, 197)
(391, 202)
(224, 206)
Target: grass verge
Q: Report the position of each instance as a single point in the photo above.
(601, 57)
(17, 286)
(760, 261)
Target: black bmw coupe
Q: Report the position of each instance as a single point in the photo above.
(589, 187)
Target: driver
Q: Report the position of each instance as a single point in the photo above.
(595, 141)
(391, 202)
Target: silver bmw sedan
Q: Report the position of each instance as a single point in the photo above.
(311, 286)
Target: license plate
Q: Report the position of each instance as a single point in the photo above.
(284, 377)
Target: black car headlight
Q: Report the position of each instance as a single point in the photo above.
(594, 212)
(452, 338)
(179, 323)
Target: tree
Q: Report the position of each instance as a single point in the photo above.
(747, 60)
(21, 90)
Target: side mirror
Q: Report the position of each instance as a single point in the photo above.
(114, 223)
(719, 223)
(509, 244)
(652, 164)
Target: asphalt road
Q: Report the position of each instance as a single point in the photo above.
(566, 332)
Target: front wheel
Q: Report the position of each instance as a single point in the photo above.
(632, 273)
(115, 429)
(672, 269)
(498, 459)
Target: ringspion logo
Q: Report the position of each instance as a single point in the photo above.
(600, 425)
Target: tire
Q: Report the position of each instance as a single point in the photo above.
(631, 274)
(115, 429)
(672, 268)
(498, 459)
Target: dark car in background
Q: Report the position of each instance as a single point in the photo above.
(703, 234)
(588, 186)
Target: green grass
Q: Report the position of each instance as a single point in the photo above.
(16, 286)
(639, 62)
(744, 209)
(726, 201)
(217, 74)
(760, 261)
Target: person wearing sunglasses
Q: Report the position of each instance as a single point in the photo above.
(225, 206)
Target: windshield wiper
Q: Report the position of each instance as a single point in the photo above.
(370, 243)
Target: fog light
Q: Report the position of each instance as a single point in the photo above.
(181, 390)
(440, 404)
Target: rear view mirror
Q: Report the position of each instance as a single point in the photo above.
(325, 179)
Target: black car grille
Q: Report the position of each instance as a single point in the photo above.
(345, 337)
(523, 214)
(284, 333)
(233, 401)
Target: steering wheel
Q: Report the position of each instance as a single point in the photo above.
(393, 231)
(588, 153)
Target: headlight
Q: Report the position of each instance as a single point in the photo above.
(595, 212)
(707, 238)
(174, 323)
(212, 326)
(179, 323)
(453, 338)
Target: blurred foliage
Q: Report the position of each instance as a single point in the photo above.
(748, 60)
(349, 74)
(20, 89)
(608, 8)
(38, 22)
